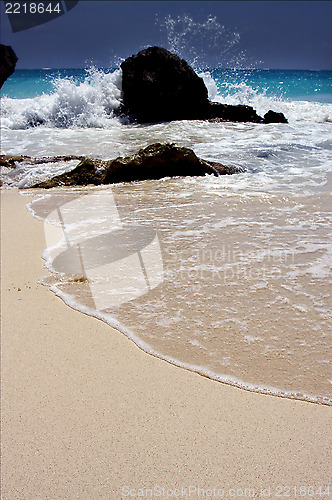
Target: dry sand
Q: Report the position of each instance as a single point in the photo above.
(88, 415)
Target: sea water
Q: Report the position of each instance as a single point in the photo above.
(227, 276)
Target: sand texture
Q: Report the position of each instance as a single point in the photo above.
(87, 415)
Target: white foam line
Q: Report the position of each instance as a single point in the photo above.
(223, 378)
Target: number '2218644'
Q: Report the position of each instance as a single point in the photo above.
(32, 8)
(302, 491)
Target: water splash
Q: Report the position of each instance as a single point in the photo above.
(90, 103)
(203, 44)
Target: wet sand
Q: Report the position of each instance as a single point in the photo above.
(86, 414)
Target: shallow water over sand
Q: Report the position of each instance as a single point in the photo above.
(233, 284)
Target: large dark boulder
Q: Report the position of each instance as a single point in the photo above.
(8, 60)
(153, 162)
(158, 86)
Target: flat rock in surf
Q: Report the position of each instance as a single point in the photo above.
(8, 60)
(227, 112)
(153, 162)
(9, 161)
(158, 86)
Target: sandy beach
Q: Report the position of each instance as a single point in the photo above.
(87, 415)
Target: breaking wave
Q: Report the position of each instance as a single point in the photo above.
(90, 103)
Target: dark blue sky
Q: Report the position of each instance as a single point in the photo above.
(266, 34)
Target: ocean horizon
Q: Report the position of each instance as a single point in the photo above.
(315, 84)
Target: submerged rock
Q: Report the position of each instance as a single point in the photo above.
(153, 162)
(88, 171)
(8, 60)
(10, 161)
(158, 86)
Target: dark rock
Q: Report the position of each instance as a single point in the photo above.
(224, 169)
(158, 86)
(273, 117)
(153, 162)
(88, 171)
(52, 159)
(239, 113)
(9, 161)
(8, 60)
(157, 161)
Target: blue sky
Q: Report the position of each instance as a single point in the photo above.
(265, 34)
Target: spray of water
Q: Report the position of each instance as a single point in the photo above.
(205, 44)
(89, 103)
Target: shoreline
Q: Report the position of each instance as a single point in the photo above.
(85, 412)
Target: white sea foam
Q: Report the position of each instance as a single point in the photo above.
(295, 110)
(91, 104)
(88, 104)
(275, 154)
(210, 84)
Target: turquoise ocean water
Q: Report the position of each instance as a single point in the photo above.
(291, 84)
